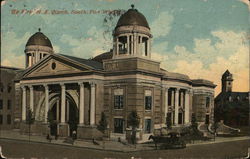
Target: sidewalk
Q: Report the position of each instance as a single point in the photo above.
(108, 145)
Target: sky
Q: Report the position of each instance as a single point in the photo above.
(199, 38)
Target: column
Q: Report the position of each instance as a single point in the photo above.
(46, 87)
(166, 103)
(148, 48)
(181, 100)
(81, 106)
(63, 100)
(128, 42)
(67, 104)
(186, 120)
(92, 104)
(172, 98)
(117, 47)
(31, 98)
(176, 110)
(24, 104)
(57, 111)
(132, 44)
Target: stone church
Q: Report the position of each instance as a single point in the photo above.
(75, 91)
(232, 107)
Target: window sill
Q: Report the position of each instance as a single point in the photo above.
(118, 109)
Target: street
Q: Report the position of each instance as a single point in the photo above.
(20, 149)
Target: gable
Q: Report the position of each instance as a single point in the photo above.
(55, 66)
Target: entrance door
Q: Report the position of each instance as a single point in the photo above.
(180, 118)
(52, 121)
(207, 119)
(73, 118)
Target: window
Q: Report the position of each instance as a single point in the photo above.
(9, 105)
(1, 119)
(118, 125)
(170, 97)
(148, 102)
(147, 127)
(118, 101)
(207, 102)
(8, 119)
(1, 104)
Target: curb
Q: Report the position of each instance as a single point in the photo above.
(109, 150)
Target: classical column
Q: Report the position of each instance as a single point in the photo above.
(57, 111)
(172, 98)
(181, 99)
(92, 104)
(148, 48)
(31, 98)
(24, 104)
(63, 100)
(117, 46)
(176, 110)
(46, 87)
(132, 44)
(186, 120)
(128, 42)
(166, 103)
(67, 104)
(81, 107)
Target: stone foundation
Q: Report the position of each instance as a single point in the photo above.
(88, 132)
(35, 129)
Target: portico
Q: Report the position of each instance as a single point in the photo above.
(177, 105)
(62, 103)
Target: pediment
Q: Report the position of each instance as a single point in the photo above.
(55, 66)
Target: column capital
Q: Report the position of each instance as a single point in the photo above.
(92, 83)
(80, 83)
(62, 85)
(45, 86)
(30, 87)
(177, 88)
(23, 87)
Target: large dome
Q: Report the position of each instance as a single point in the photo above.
(39, 39)
(132, 17)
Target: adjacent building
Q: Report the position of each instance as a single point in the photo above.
(7, 97)
(232, 107)
(73, 92)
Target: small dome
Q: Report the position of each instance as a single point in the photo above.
(39, 39)
(132, 17)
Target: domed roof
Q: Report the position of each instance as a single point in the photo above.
(132, 17)
(39, 39)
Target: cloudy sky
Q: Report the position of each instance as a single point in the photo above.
(200, 38)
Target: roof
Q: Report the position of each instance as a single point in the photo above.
(103, 56)
(39, 39)
(89, 62)
(233, 95)
(203, 82)
(10, 68)
(132, 17)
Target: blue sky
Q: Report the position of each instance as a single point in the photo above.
(201, 38)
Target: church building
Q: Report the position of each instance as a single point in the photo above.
(74, 92)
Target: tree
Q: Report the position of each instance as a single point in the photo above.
(103, 123)
(194, 123)
(29, 119)
(133, 121)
